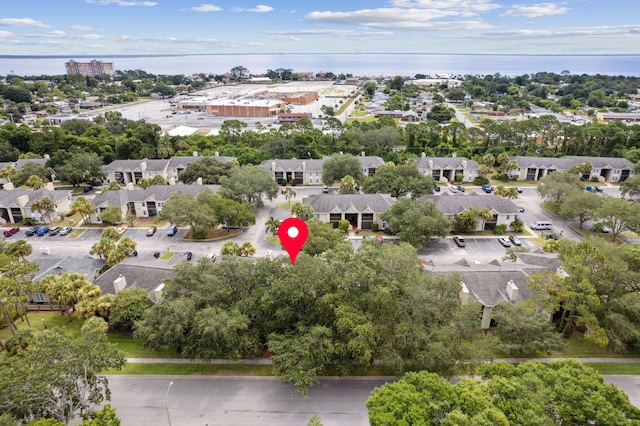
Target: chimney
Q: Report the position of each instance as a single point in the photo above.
(199, 181)
(49, 186)
(157, 292)
(194, 153)
(464, 164)
(130, 186)
(9, 186)
(23, 200)
(430, 164)
(512, 291)
(143, 165)
(172, 181)
(217, 154)
(362, 154)
(47, 156)
(464, 294)
(424, 155)
(454, 155)
(273, 166)
(119, 283)
(304, 166)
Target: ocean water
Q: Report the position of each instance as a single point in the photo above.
(360, 64)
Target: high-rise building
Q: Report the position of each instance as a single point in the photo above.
(89, 69)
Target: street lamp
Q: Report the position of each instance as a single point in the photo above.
(166, 401)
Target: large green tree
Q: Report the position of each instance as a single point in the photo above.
(581, 205)
(416, 221)
(531, 393)
(399, 181)
(249, 184)
(80, 167)
(58, 376)
(339, 166)
(555, 186)
(619, 214)
(207, 168)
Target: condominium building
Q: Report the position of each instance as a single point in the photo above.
(89, 69)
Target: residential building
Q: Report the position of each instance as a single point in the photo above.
(606, 169)
(93, 68)
(309, 171)
(142, 202)
(445, 169)
(146, 272)
(15, 204)
(293, 117)
(131, 171)
(361, 210)
(53, 265)
(496, 282)
(504, 211)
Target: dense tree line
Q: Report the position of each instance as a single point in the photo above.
(333, 312)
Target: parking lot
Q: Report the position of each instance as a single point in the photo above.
(483, 249)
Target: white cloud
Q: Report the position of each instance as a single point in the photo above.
(5, 34)
(536, 10)
(81, 27)
(336, 33)
(475, 5)
(55, 33)
(397, 18)
(206, 8)
(261, 8)
(89, 36)
(22, 22)
(124, 3)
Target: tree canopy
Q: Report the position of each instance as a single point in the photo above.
(339, 166)
(399, 181)
(416, 221)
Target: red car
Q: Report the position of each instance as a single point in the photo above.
(151, 231)
(10, 232)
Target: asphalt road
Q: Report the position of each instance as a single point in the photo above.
(248, 401)
(241, 401)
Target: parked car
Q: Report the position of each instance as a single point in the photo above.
(134, 253)
(173, 230)
(515, 240)
(487, 188)
(459, 241)
(156, 254)
(325, 190)
(9, 232)
(151, 231)
(212, 257)
(504, 241)
(56, 230)
(65, 230)
(460, 188)
(437, 188)
(31, 231)
(453, 189)
(519, 190)
(187, 255)
(42, 231)
(593, 189)
(120, 230)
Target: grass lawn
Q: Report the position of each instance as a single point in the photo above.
(286, 205)
(75, 234)
(51, 319)
(275, 240)
(196, 369)
(166, 255)
(135, 349)
(615, 368)
(146, 222)
(578, 347)
(216, 234)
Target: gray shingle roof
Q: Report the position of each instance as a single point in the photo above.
(445, 163)
(147, 273)
(131, 165)
(22, 161)
(457, 204)
(350, 203)
(311, 165)
(184, 161)
(10, 198)
(52, 265)
(563, 163)
(153, 193)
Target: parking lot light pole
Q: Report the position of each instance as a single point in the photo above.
(166, 401)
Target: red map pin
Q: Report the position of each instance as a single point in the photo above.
(293, 233)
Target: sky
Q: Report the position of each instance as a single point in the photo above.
(152, 27)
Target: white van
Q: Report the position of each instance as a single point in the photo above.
(539, 225)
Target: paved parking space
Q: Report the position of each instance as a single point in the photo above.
(482, 249)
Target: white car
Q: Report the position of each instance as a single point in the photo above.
(120, 230)
(504, 241)
(212, 257)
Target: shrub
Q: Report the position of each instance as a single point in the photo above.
(459, 177)
(199, 234)
(504, 177)
(595, 179)
(28, 221)
(500, 229)
(343, 225)
(517, 226)
(480, 180)
(375, 227)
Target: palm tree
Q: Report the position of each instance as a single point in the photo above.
(84, 207)
(510, 192)
(8, 172)
(347, 185)
(289, 193)
(481, 214)
(246, 249)
(34, 182)
(43, 205)
(272, 225)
